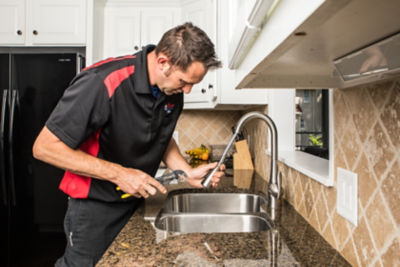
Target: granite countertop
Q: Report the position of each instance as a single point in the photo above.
(292, 242)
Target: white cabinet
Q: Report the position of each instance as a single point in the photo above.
(217, 90)
(12, 21)
(129, 27)
(122, 31)
(155, 22)
(57, 22)
(42, 22)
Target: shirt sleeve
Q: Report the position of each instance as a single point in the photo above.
(83, 109)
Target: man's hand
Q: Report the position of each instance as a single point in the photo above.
(138, 183)
(196, 175)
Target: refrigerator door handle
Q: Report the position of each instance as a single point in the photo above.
(14, 96)
(2, 148)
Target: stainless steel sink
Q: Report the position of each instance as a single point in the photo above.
(215, 203)
(213, 213)
(212, 223)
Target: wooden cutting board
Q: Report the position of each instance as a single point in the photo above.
(243, 168)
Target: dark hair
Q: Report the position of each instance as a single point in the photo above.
(187, 43)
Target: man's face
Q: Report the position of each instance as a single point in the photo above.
(175, 81)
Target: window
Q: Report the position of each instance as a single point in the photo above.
(282, 109)
(312, 122)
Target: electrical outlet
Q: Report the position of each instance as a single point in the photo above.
(347, 195)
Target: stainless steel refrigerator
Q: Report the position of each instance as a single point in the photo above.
(31, 205)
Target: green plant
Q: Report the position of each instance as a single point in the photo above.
(315, 140)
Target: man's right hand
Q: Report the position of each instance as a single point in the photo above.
(138, 183)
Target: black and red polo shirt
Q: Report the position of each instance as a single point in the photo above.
(110, 112)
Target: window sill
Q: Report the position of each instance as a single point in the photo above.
(314, 167)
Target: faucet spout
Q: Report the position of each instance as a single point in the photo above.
(274, 182)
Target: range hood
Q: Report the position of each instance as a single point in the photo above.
(328, 48)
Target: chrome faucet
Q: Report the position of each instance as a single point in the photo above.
(274, 181)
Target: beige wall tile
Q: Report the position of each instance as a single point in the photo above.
(330, 196)
(366, 181)
(391, 191)
(206, 127)
(323, 214)
(363, 242)
(350, 253)
(379, 221)
(379, 93)
(340, 160)
(379, 151)
(342, 115)
(391, 256)
(377, 263)
(351, 145)
(391, 116)
(314, 220)
(329, 236)
(362, 109)
(340, 229)
(308, 198)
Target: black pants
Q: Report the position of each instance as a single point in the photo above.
(91, 226)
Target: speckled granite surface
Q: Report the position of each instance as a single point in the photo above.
(293, 242)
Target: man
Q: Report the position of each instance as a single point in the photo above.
(112, 128)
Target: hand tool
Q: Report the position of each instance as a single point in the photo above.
(172, 177)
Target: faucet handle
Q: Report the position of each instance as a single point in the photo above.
(275, 189)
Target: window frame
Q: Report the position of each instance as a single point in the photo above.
(281, 108)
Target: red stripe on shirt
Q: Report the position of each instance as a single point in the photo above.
(115, 78)
(77, 186)
(108, 60)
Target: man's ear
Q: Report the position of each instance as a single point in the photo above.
(163, 62)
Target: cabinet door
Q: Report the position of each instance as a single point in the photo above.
(12, 22)
(202, 14)
(154, 23)
(122, 31)
(56, 22)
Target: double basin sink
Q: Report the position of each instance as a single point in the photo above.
(214, 213)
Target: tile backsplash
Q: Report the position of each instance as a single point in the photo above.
(196, 127)
(367, 141)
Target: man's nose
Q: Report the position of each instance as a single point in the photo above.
(187, 88)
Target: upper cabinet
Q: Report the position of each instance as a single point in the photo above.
(217, 90)
(12, 22)
(128, 27)
(42, 22)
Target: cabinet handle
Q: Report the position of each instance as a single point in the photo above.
(35, 32)
(19, 32)
(210, 86)
(136, 47)
(203, 91)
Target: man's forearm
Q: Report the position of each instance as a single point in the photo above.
(174, 159)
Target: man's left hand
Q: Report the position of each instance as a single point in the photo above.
(196, 175)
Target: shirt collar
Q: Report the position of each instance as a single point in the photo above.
(141, 77)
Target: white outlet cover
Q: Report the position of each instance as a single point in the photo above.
(347, 195)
